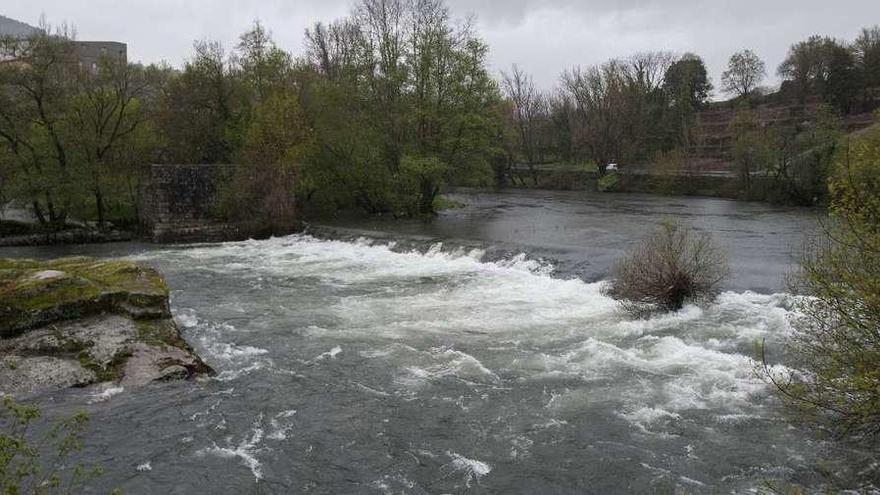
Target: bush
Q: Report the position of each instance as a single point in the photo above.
(41, 465)
(609, 183)
(667, 269)
(836, 336)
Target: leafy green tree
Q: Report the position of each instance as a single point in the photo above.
(687, 82)
(266, 69)
(262, 192)
(34, 104)
(835, 338)
(203, 114)
(687, 86)
(791, 165)
(821, 66)
(397, 84)
(107, 114)
(754, 148)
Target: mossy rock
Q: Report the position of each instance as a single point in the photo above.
(35, 293)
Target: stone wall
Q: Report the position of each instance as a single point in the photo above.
(180, 204)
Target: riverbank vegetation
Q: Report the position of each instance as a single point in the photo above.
(669, 268)
(41, 465)
(835, 340)
(388, 106)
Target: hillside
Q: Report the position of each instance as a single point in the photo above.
(11, 27)
(715, 137)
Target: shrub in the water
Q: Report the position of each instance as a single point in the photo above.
(670, 267)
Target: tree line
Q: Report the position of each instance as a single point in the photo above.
(384, 108)
(645, 109)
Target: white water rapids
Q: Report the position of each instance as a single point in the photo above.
(350, 367)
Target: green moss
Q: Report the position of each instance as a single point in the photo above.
(85, 286)
(114, 371)
(444, 203)
(160, 332)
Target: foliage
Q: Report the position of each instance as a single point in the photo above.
(822, 66)
(262, 192)
(444, 203)
(615, 111)
(40, 467)
(866, 49)
(401, 103)
(609, 182)
(744, 73)
(835, 339)
(785, 165)
(385, 108)
(65, 130)
(201, 114)
(687, 81)
(670, 267)
(687, 85)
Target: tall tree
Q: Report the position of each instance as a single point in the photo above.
(687, 86)
(820, 66)
(107, 113)
(745, 71)
(529, 113)
(867, 57)
(412, 103)
(202, 118)
(34, 104)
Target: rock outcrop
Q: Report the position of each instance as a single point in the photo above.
(74, 322)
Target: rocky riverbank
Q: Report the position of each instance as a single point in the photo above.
(74, 236)
(74, 322)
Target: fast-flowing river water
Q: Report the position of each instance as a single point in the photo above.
(364, 366)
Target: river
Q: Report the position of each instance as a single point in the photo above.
(490, 363)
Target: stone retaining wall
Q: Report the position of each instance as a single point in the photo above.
(180, 204)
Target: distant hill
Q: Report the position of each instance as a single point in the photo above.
(11, 27)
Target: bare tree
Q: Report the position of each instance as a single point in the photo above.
(529, 110)
(600, 95)
(335, 48)
(647, 69)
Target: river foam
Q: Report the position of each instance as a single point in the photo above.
(496, 342)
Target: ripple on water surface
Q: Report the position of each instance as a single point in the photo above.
(348, 367)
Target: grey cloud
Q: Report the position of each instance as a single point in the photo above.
(543, 36)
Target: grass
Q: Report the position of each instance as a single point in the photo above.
(444, 203)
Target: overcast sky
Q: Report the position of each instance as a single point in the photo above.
(542, 36)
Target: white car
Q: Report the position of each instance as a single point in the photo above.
(611, 167)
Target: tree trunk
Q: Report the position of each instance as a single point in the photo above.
(426, 200)
(99, 207)
(38, 212)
